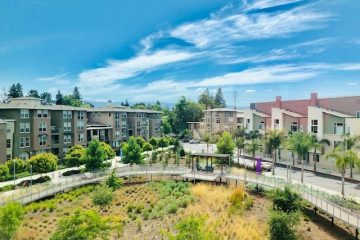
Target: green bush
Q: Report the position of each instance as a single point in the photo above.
(114, 182)
(11, 215)
(71, 172)
(286, 200)
(7, 188)
(102, 197)
(20, 166)
(282, 225)
(255, 188)
(4, 172)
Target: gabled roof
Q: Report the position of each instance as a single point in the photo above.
(258, 113)
(335, 113)
(292, 114)
(223, 110)
(121, 109)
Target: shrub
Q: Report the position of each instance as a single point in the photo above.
(7, 188)
(147, 147)
(11, 216)
(283, 225)
(102, 197)
(20, 166)
(44, 162)
(71, 172)
(286, 200)
(75, 156)
(240, 201)
(4, 172)
(255, 188)
(114, 182)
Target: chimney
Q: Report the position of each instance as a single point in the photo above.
(278, 102)
(313, 99)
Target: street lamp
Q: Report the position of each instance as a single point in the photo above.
(14, 172)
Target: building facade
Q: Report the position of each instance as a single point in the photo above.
(27, 127)
(327, 118)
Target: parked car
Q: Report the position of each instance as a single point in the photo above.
(194, 141)
(266, 166)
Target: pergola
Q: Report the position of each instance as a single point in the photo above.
(210, 156)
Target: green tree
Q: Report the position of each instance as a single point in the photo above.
(82, 225)
(207, 139)
(274, 139)
(33, 93)
(95, 155)
(283, 226)
(191, 228)
(240, 145)
(163, 142)
(350, 142)
(186, 111)
(317, 145)
(219, 99)
(114, 182)
(140, 141)
(301, 146)
(290, 143)
(46, 98)
(20, 165)
(252, 147)
(4, 172)
(11, 215)
(75, 157)
(206, 99)
(59, 98)
(286, 200)
(102, 197)
(154, 142)
(109, 152)
(132, 152)
(225, 144)
(147, 147)
(16, 91)
(70, 100)
(166, 126)
(76, 93)
(44, 162)
(342, 159)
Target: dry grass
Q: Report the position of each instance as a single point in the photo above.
(214, 203)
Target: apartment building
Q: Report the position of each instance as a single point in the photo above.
(27, 127)
(216, 121)
(327, 118)
(116, 124)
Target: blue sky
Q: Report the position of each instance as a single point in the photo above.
(162, 49)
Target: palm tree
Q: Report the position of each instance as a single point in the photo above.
(342, 159)
(252, 147)
(317, 145)
(302, 145)
(349, 143)
(207, 139)
(290, 143)
(273, 140)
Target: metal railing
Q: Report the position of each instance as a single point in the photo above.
(317, 198)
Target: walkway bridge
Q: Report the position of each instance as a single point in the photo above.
(37, 192)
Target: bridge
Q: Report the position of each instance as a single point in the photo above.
(40, 191)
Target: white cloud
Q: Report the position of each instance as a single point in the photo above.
(118, 70)
(263, 4)
(59, 79)
(250, 90)
(352, 84)
(222, 29)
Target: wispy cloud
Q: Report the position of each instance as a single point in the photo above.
(58, 79)
(263, 4)
(123, 69)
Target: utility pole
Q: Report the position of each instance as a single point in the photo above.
(235, 96)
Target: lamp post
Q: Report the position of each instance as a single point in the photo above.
(30, 177)
(14, 172)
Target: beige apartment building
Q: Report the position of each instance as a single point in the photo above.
(27, 127)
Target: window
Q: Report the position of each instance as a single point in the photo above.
(262, 125)
(42, 140)
(117, 134)
(80, 115)
(338, 128)
(337, 143)
(81, 137)
(67, 139)
(67, 126)
(228, 114)
(24, 127)
(117, 115)
(217, 120)
(124, 115)
(117, 124)
(247, 120)
(80, 125)
(294, 126)
(24, 142)
(138, 123)
(24, 156)
(357, 114)
(42, 127)
(123, 124)
(24, 113)
(8, 157)
(276, 123)
(314, 126)
(8, 143)
(42, 113)
(316, 157)
(67, 114)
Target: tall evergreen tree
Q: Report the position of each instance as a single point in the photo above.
(46, 98)
(219, 99)
(76, 94)
(59, 98)
(33, 93)
(16, 91)
(206, 99)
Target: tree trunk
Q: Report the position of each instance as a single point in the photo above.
(315, 160)
(239, 156)
(293, 157)
(207, 148)
(351, 170)
(273, 164)
(302, 171)
(343, 184)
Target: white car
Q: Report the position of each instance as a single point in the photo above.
(266, 166)
(194, 141)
